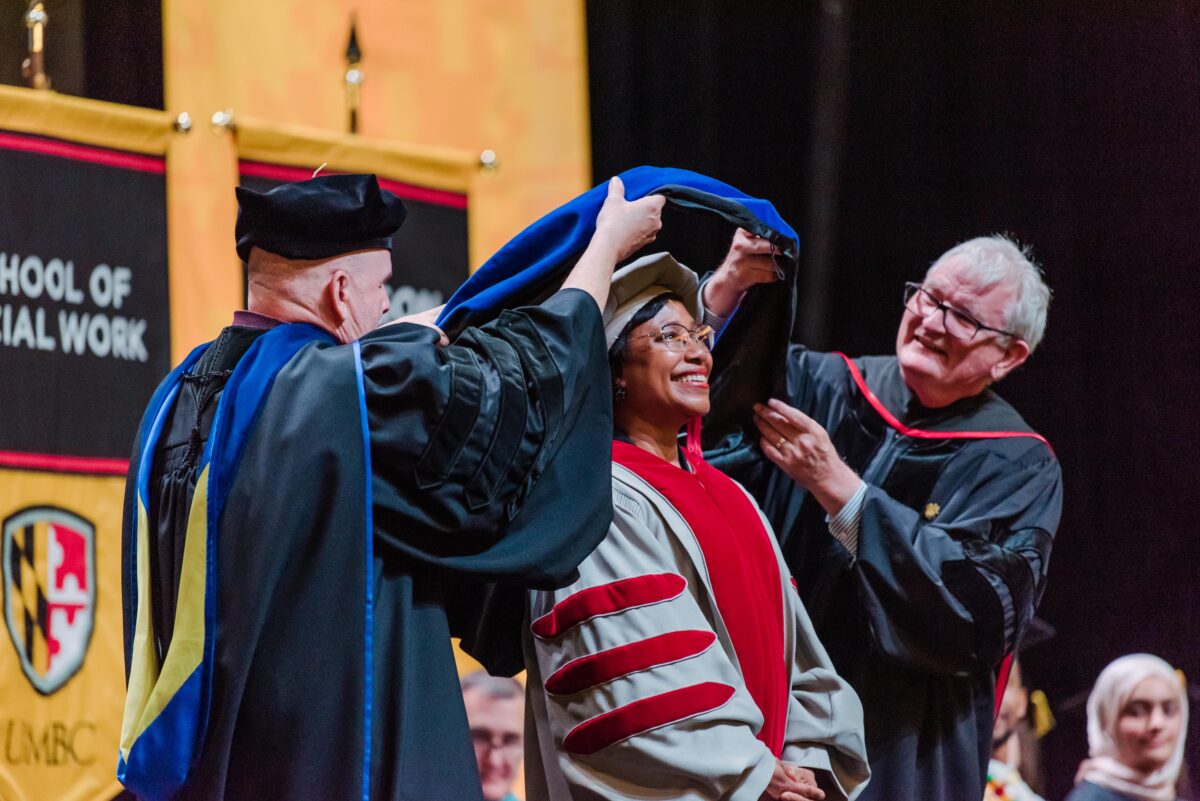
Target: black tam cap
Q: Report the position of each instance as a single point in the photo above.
(319, 218)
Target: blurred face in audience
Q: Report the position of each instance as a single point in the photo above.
(1149, 726)
(498, 734)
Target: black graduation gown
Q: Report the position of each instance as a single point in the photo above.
(954, 543)
(482, 468)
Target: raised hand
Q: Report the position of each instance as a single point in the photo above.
(750, 261)
(630, 225)
(621, 228)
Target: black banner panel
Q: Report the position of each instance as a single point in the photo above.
(429, 257)
(84, 321)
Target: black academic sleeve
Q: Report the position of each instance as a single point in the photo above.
(952, 596)
(463, 437)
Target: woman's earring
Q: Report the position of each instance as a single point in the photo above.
(618, 392)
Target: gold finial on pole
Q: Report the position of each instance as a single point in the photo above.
(354, 76)
(34, 67)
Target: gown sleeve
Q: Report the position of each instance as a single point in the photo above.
(949, 595)
(640, 697)
(953, 594)
(461, 438)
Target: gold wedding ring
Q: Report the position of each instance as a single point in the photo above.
(779, 445)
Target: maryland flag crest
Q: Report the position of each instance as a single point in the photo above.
(62, 676)
(49, 592)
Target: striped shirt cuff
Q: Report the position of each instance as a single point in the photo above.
(707, 317)
(844, 525)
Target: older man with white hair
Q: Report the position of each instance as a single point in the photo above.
(915, 507)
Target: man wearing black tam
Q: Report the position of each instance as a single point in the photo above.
(318, 219)
(309, 495)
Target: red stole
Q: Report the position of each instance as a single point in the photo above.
(742, 567)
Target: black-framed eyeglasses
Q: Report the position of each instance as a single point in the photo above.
(958, 324)
(486, 739)
(676, 337)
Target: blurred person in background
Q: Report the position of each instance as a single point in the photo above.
(1137, 723)
(1004, 780)
(496, 715)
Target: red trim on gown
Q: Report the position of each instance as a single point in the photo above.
(607, 599)
(908, 431)
(742, 568)
(919, 433)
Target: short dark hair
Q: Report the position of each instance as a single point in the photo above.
(620, 347)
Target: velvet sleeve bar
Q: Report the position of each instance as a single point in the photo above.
(464, 438)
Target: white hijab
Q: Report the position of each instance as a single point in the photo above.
(1110, 695)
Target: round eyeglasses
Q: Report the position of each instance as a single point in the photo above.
(676, 337)
(958, 324)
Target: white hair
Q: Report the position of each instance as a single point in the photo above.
(494, 687)
(992, 259)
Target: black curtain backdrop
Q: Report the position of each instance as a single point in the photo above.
(1074, 126)
(100, 49)
(123, 51)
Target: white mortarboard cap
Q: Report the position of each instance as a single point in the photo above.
(641, 281)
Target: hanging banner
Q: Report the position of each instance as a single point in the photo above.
(83, 299)
(430, 256)
(84, 339)
(86, 312)
(62, 679)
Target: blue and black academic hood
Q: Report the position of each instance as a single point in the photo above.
(535, 262)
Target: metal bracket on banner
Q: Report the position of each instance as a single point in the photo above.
(223, 122)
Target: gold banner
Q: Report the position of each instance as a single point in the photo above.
(89, 122)
(62, 672)
(441, 168)
(62, 680)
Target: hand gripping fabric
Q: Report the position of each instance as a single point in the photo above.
(536, 261)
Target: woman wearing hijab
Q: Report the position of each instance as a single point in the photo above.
(681, 663)
(1137, 721)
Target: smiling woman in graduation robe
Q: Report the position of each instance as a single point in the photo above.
(681, 663)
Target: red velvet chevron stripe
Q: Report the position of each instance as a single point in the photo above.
(607, 599)
(605, 666)
(646, 714)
